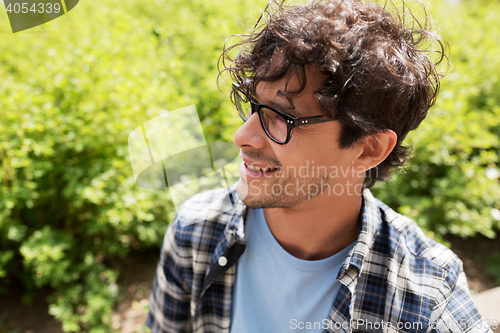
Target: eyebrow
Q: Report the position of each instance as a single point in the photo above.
(287, 109)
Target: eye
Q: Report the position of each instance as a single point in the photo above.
(278, 119)
(273, 116)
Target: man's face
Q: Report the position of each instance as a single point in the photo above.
(311, 165)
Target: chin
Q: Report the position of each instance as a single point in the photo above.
(257, 198)
(254, 199)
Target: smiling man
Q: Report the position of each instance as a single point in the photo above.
(327, 91)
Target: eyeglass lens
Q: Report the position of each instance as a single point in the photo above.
(274, 124)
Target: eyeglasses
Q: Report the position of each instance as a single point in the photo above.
(277, 124)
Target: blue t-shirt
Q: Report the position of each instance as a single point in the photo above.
(277, 292)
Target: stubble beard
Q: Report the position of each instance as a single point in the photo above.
(294, 191)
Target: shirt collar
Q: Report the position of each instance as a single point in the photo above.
(371, 219)
(234, 230)
(235, 227)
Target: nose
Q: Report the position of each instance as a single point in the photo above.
(251, 133)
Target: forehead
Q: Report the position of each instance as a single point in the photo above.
(287, 92)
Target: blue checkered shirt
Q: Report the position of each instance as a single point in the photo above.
(395, 279)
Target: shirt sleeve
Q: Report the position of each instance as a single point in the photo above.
(169, 309)
(455, 311)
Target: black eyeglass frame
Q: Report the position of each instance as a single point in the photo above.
(291, 121)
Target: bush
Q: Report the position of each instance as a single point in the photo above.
(452, 183)
(70, 97)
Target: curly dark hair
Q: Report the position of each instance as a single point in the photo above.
(379, 67)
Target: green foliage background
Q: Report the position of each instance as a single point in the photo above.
(74, 88)
(452, 183)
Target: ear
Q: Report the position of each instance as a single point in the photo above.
(375, 148)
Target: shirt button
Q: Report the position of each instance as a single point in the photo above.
(222, 261)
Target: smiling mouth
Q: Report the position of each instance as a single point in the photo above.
(256, 168)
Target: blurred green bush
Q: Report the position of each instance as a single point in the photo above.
(452, 183)
(71, 96)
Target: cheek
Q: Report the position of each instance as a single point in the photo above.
(308, 146)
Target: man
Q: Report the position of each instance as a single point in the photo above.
(328, 91)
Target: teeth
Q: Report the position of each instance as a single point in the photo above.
(256, 168)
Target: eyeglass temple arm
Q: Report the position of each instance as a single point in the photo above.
(312, 120)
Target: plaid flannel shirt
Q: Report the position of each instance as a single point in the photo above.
(395, 279)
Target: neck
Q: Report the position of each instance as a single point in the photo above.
(317, 228)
